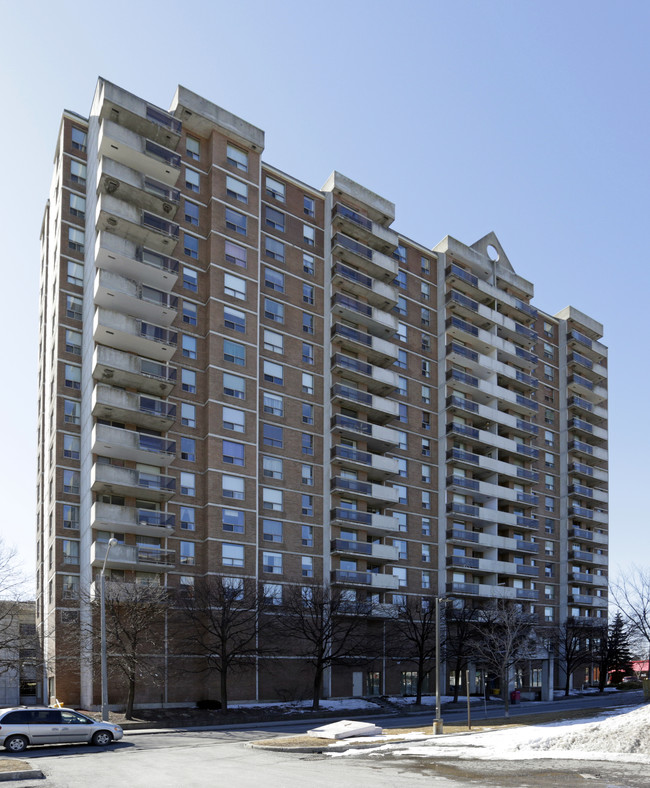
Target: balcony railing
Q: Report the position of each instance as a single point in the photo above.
(459, 272)
(348, 423)
(581, 424)
(527, 547)
(362, 397)
(352, 303)
(153, 222)
(465, 536)
(529, 522)
(462, 561)
(582, 338)
(345, 545)
(461, 402)
(524, 473)
(582, 511)
(352, 364)
(522, 377)
(161, 190)
(164, 154)
(527, 593)
(163, 119)
(581, 533)
(579, 402)
(461, 377)
(353, 216)
(462, 325)
(354, 455)
(578, 358)
(530, 571)
(463, 456)
(585, 448)
(462, 481)
(157, 333)
(527, 427)
(526, 354)
(462, 429)
(581, 489)
(526, 402)
(461, 350)
(352, 245)
(528, 451)
(157, 260)
(463, 588)
(454, 297)
(527, 498)
(579, 380)
(525, 331)
(463, 508)
(579, 467)
(352, 275)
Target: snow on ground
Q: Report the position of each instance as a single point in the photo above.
(620, 735)
(430, 700)
(305, 705)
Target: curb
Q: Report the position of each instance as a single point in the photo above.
(25, 774)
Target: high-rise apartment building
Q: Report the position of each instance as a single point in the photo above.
(248, 377)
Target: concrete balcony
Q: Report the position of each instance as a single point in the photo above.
(483, 514)
(140, 227)
(129, 371)
(585, 388)
(581, 599)
(109, 479)
(130, 445)
(379, 409)
(376, 379)
(470, 460)
(481, 290)
(361, 228)
(373, 493)
(122, 107)
(133, 335)
(378, 524)
(481, 590)
(136, 188)
(482, 366)
(581, 449)
(592, 370)
(374, 291)
(376, 466)
(472, 435)
(585, 535)
(583, 556)
(490, 566)
(483, 391)
(126, 258)
(590, 472)
(487, 540)
(513, 423)
(115, 404)
(367, 260)
(144, 155)
(579, 341)
(373, 552)
(129, 520)
(371, 579)
(378, 322)
(586, 429)
(136, 557)
(377, 438)
(482, 491)
(114, 292)
(377, 351)
(485, 342)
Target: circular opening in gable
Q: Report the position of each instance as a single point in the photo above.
(492, 253)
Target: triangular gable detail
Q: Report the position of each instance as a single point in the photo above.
(490, 247)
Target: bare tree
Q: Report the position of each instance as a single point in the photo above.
(631, 595)
(459, 640)
(223, 623)
(135, 615)
(326, 628)
(571, 642)
(504, 637)
(414, 635)
(17, 639)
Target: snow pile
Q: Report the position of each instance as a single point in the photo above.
(430, 700)
(305, 705)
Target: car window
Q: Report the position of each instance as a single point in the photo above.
(70, 718)
(16, 718)
(45, 717)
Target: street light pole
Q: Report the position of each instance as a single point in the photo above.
(437, 724)
(102, 606)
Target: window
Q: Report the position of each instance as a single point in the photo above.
(426, 579)
(273, 373)
(426, 395)
(401, 334)
(402, 493)
(307, 505)
(234, 419)
(234, 319)
(273, 593)
(188, 380)
(308, 206)
(272, 563)
(236, 189)
(237, 158)
(192, 180)
(76, 239)
(548, 372)
(272, 435)
(307, 442)
(191, 213)
(425, 290)
(77, 205)
(71, 482)
(271, 531)
(272, 467)
(74, 308)
(426, 526)
(235, 221)
(274, 219)
(402, 521)
(188, 449)
(308, 264)
(71, 412)
(307, 563)
(549, 459)
(400, 253)
(307, 323)
(401, 306)
(426, 368)
(189, 346)
(548, 350)
(548, 504)
(79, 139)
(272, 499)
(193, 148)
(235, 254)
(275, 189)
(187, 517)
(273, 341)
(234, 386)
(426, 474)
(187, 553)
(232, 487)
(70, 551)
(191, 246)
(426, 420)
(400, 573)
(549, 526)
(234, 352)
(307, 475)
(188, 483)
(548, 416)
(232, 554)
(77, 172)
(400, 280)
(307, 413)
(403, 439)
(274, 310)
(70, 516)
(425, 316)
(273, 404)
(307, 383)
(232, 520)
(426, 553)
(70, 586)
(189, 313)
(400, 544)
(425, 342)
(233, 453)
(426, 447)
(402, 359)
(308, 294)
(548, 438)
(402, 384)
(274, 280)
(426, 499)
(274, 249)
(548, 329)
(72, 376)
(307, 353)
(307, 532)
(75, 273)
(403, 412)
(190, 280)
(73, 342)
(425, 265)
(309, 234)
(549, 482)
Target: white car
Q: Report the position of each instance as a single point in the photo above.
(23, 726)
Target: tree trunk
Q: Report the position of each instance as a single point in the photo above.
(457, 671)
(418, 686)
(318, 681)
(567, 683)
(223, 675)
(506, 694)
(130, 698)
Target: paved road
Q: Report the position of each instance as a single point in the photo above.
(194, 759)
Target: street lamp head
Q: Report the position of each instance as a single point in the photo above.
(112, 541)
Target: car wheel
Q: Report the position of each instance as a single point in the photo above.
(16, 743)
(102, 738)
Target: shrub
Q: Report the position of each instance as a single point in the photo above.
(206, 703)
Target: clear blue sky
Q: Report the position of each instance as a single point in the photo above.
(526, 118)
